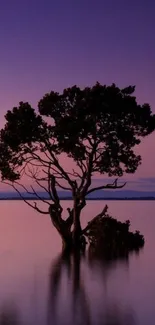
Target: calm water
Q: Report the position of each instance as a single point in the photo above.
(38, 287)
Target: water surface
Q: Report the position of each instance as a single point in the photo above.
(37, 286)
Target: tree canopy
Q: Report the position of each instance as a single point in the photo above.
(97, 127)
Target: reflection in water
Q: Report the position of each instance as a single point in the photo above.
(106, 265)
(9, 315)
(105, 291)
(69, 300)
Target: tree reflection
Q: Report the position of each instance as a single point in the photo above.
(9, 315)
(69, 300)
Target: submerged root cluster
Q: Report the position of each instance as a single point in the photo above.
(109, 236)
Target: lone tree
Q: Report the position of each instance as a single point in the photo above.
(95, 127)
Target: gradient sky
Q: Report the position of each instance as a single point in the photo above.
(53, 44)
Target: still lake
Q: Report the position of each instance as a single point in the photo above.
(38, 287)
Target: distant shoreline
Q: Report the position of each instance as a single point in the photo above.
(87, 199)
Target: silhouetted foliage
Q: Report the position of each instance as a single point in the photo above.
(111, 238)
(96, 127)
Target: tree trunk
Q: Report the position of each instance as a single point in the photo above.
(67, 244)
(71, 240)
(76, 234)
(65, 235)
(63, 229)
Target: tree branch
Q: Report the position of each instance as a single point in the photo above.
(28, 203)
(38, 196)
(81, 165)
(31, 193)
(53, 188)
(42, 186)
(37, 157)
(89, 171)
(108, 186)
(90, 223)
(59, 167)
(69, 220)
(63, 187)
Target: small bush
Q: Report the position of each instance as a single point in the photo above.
(107, 234)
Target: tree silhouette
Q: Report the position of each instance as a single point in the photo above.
(95, 127)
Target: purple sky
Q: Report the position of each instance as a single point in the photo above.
(54, 44)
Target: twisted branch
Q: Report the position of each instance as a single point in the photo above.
(108, 186)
